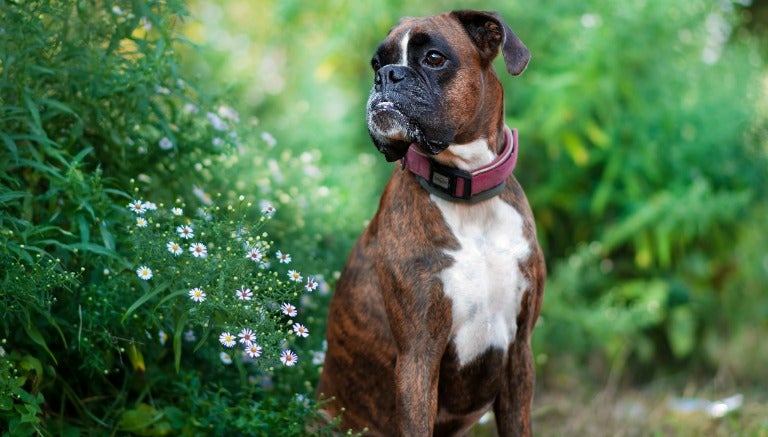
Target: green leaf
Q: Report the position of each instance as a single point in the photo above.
(37, 125)
(139, 302)
(203, 338)
(79, 157)
(119, 193)
(53, 172)
(177, 333)
(10, 145)
(9, 196)
(6, 402)
(173, 295)
(84, 227)
(682, 331)
(31, 364)
(107, 237)
(34, 334)
(98, 250)
(51, 103)
(139, 419)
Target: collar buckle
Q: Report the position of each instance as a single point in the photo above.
(453, 182)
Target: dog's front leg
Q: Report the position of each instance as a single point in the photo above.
(513, 404)
(421, 328)
(416, 394)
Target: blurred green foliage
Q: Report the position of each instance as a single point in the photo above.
(95, 112)
(644, 153)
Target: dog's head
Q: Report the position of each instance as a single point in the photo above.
(434, 83)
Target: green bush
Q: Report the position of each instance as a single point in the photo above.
(641, 123)
(103, 138)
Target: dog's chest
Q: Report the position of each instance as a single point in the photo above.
(485, 282)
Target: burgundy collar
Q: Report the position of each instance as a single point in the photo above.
(464, 186)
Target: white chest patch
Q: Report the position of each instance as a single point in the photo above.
(485, 282)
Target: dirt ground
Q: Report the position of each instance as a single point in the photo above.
(652, 411)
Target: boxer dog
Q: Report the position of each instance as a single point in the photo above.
(431, 320)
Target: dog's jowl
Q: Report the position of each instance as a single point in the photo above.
(431, 320)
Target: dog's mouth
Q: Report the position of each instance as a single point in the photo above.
(432, 147)
(385, 105)
(393, 132)
(385, 120)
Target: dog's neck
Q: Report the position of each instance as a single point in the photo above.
(474, 154)
(465, 173)
(468, 156)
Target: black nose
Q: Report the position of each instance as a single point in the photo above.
(389, 75)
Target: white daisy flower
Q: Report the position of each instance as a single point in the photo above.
(137, 206)
(300, 330)
(216, 121)
(253, 350)
(267, 209)
(151, 206)
(162, 90)
(318, 358)
(144, 273)
(141, 222)
(165, 143)
(294, 276)
(197, 294)
(229, 113)
(162, 337)
(198, 250)
(269, 139)
(311, 284)
(225, 358)
(244, 294)
(177, 211)
(323, 286)
(190, 336)
(146, 23)
(289, 358)
(227, 339)
(174, 248)
(246, 336)
(254, 254)
(284, 258)
(185, 232)
(288, 309)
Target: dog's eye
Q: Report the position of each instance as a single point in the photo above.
(434, 59)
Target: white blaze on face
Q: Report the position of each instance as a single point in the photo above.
(404, 48)
(385, 121)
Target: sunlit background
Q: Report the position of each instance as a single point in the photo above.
(643, 153)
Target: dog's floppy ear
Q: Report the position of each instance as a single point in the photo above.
(489, 31)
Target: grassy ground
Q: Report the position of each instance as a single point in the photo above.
(650, 411)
